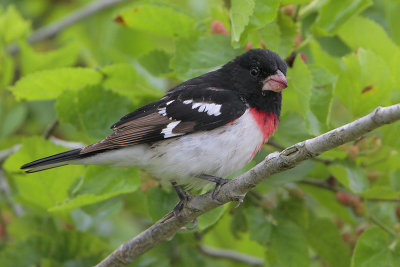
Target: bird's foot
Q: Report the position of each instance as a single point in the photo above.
(183, 197)
(219, 182)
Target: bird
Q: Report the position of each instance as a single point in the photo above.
(201, 131)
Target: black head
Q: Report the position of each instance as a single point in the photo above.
(259, 77)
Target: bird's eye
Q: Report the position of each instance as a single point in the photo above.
(254, 71)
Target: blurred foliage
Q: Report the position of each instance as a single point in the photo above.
(342, 211)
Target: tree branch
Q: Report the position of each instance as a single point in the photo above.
(231, 255)
(236, 188)
(54, 28)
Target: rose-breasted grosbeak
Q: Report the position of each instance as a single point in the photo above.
(201, 130)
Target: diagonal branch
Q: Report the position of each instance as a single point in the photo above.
(51, 30)
(236, 189)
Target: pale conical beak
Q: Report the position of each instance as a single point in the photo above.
(276, 82)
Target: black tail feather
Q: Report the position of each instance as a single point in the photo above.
(53, 160)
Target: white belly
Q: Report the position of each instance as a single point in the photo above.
(218, 152)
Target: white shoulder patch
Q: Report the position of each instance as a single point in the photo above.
(210, 108)
(168, 130)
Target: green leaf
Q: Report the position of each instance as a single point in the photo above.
(160, 202)
(124, 80)
(288, 2)
(372, 249)
(12, 119)
(240, 13)
(351, 176)
(196, 57)
(92, 110)
(381, 192)
(12, 25)
(365, 83)
(259, 226)
(32, 61)
(156, 62)
(69, 247)
(49, 84)
(289, 246)
(365, 33)
(285, 134)
(161, 20)
(210, 218)
(270, 34)
(265, 11)
(325, 239)
(297, 96)
(288, 30)
(41, 189)
(334, 13)
(6, 70)
(101, 183)
(320, 106)
(295, 210)
(328, 200)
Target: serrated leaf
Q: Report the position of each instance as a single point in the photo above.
(12, 25)
(372, 249)
(49, 84)
(365, 33)
(325, 239)
(92, 110)
(297, 96)
(365, 83)
(259, 226)
(41, 189)
(334, 13)
(265, 11)
(161, 20)
(196, 57)
(270, 34)
(240, 13)
(101, 183)
(289, 246)
(288, 30)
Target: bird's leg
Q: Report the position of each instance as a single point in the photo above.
(183, 196)
(218, 183)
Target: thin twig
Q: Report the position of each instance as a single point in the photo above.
(320, 184)
(56, 27)
(231, 255)
(166, 228)
(6, 192)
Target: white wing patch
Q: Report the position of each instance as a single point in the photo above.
(188, 101)
(162, 111)
(170, 102)
(168, 130)
(210, 108)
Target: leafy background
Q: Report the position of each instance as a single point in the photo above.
(341, 210)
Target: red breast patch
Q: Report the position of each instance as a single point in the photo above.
(267, 122)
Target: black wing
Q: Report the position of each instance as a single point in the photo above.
(179, 112)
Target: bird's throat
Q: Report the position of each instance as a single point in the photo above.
(267, 122)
